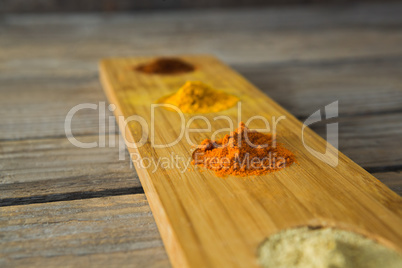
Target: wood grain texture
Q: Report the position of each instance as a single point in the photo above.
(124, 6)
(39, 170)
(34, 97)
(50, 159)
(370, 125)
(278, 35)
(207, 221)
(392, 180)
(99, 232)
(363, 87)
(48, 64)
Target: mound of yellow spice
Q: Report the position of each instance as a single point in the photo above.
(244, 152)
(197, 97)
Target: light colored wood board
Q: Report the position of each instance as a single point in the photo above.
(98, 232)
(209, 221)
(48, 53)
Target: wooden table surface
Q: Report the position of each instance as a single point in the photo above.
(63, 205)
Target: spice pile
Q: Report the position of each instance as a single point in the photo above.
(243, 153)
(166, 66)
(325, 248)
(197, 97)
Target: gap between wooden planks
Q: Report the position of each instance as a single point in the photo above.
(206, 221)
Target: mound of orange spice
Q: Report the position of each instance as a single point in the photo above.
(243, 152)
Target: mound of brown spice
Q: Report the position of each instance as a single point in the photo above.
(166, 66)
(243, 152)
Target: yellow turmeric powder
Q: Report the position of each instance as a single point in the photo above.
(197, 97)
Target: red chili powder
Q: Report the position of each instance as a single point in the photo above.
(166, 66)
(244, 152)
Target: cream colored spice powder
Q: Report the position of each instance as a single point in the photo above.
(325, 248)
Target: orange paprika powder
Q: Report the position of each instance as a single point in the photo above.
(243, 152)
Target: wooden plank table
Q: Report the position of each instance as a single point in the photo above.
(62, 205)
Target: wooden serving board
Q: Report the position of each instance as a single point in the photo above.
(207, 221)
